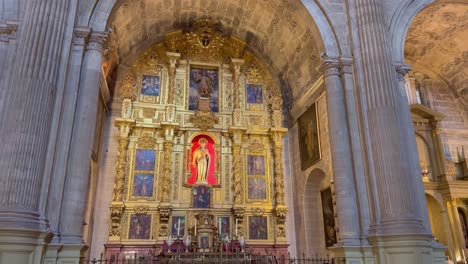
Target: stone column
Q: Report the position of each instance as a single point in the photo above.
(80, 39)
(397, 186)
(350, 93)
(410, 147)
(346, 204)
(27, 108)
(455, 226)
(78, 170)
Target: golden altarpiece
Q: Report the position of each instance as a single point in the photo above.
(200, 147)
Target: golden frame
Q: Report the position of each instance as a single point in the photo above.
(266, 177)
(133, 172)
(162, 82)
(203, 66)
(127, 237)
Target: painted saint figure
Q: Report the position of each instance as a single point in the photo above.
(201, 160)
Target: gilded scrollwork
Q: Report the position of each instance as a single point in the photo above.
(204, 119)
(167, 172)
(128, 88)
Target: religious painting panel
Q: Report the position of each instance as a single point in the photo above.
(309, 144)
(204, 89)
(178, 226)
(203, 161)
(464, 226)
(144, 159)
(204, 241)
(140, 227)
(150, 85)
(258, 227)
(256, 165)
(328, 217)
(224, 225)
(254, 93)
(256, 189)
(201, 196)
(143, 185)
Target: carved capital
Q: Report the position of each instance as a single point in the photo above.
(164, 213)
(238, 213)
(346, 65)
(81, 35)
(8, 30)
(258, 211)
(116, 216)
(331, 67)
(97, 41)
(402, 70)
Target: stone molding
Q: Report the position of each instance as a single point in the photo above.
(97, 41)
(8, 30)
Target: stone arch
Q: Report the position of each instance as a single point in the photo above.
(96, 16)
(313, 221)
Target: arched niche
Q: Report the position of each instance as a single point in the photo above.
(313, 228)
(436, 218)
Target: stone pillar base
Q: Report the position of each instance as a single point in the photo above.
(353, 254)
(22, 246)
(61, 254)
(407, 249)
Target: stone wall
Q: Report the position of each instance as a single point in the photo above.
(306, 186)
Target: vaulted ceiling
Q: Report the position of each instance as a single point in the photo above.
(282, 33)
(437, 41)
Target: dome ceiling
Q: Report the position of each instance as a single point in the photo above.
(437, 41)
(281, 33)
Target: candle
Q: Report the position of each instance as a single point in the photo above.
(219, 224)
(195, 227)
(236, 226)
(178, 227)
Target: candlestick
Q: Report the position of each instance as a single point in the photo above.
(178, 227)
(236, 226)
(219, 226)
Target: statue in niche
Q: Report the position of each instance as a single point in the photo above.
(203, 161)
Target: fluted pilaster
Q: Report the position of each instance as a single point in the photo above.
(346, 203)
(395, 182)
(27, 108)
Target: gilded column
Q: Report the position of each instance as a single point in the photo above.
(346, 202)
(235, 68)
(27, 107)
(172, 66)
(167, 172)
(125, 126)
(396, 184)
(455, 226)
(237, 175)
(84, 125)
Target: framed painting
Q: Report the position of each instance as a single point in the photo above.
(201, 196)
(328, 217)
(204, 87)
(144, 159)
(140, 227)
(203, 160)
(143, 185)
(178, 226)
(150, 85)
(204, 241)
(254, 93)
(309, 143)
(256, 165)
(258, 227)
(224, 223)
(256, 189)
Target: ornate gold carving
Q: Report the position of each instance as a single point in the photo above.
(128, 88)
(280, 231)
(179, 91)
(257, 211)
(237, 170)
(146, 142)
(141, 210)
(116, 214)
(148, 113)
(204, 119)
(255, 74)
(167, 172)
(280, 213)
(164, 215)
(120, 169)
